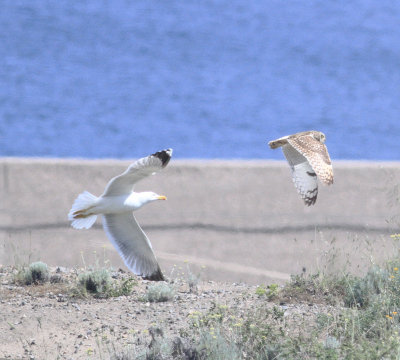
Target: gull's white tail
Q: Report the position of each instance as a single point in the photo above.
(80, 214)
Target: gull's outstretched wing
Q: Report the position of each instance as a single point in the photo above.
(123, 184)
(317, 155)
(132, 244)
(304, 177)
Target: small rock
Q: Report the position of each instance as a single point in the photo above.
(55, 279)
(61, 269)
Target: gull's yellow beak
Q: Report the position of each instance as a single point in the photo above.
(162, 197)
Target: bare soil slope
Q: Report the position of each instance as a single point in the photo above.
(47, 322)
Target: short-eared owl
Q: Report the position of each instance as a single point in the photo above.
(308, 158)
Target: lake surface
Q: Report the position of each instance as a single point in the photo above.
(212, 79)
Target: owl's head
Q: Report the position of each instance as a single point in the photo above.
(318, 135)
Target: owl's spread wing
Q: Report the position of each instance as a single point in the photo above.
(317, 155)
(303, 175)
(123, 184)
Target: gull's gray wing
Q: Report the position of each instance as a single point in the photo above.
(132, 244)
(123, 184)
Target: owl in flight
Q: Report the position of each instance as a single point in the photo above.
(308, 158)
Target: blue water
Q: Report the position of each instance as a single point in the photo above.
(212, 78)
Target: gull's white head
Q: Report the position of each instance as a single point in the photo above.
(149, 196)
(137, 199)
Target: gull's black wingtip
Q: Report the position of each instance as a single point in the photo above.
(164, 156)
(156, 276)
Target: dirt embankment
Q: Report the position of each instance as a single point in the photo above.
(47, 321)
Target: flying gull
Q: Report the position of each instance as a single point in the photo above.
(116, 205)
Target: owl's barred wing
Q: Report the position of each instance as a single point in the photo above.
(304, 177)
(317, 155)
(123, 184)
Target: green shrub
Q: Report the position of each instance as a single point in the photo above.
(36, 273)
(362, 291)
(97, 282)
(159, 292)
(124, 288)
(212, 345)
(271, 291)
(261, 290)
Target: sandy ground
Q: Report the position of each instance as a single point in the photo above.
(46, 322)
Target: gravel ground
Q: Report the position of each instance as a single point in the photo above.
(46, 322)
